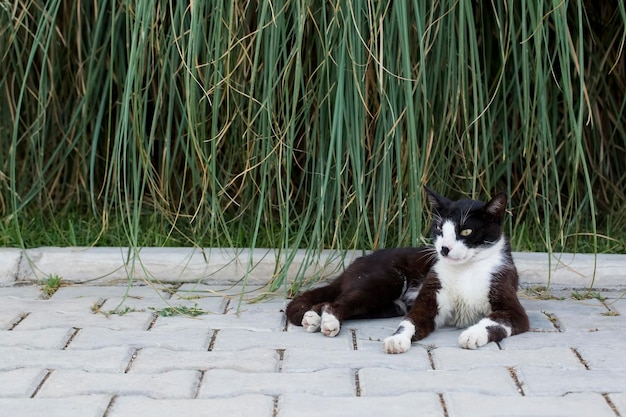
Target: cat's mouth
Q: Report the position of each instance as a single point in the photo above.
(453, 260)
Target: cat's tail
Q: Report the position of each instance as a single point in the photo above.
(305, 301)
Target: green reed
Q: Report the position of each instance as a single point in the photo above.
(310, 124)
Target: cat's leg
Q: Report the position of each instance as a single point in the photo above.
(499, 324)
(419, 322)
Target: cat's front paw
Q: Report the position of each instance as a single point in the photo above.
(397, 343)
(330, 325)
(311, 321)
(474, 337)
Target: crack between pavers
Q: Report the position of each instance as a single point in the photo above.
(580, 358)
(199, 385)
(281, 359)
(275, 412)
(109, 406)
(442, 402)
(20, 319)
(355, 345)
(155, 317)
(431, 359)
(132, 360)
(213, 339)
(43, 381)
(516, 380)
(611, 404)
(75, 331)
(554, 320)
(357, 383)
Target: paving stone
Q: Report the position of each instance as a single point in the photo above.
(151, 360)
(260, 321)
(569, 338)
(29, 292)
(53, 338)
(462, 404)
(382, 382)
(78, 406)
(45, 306)
(83, 319)
(9, 318)
(113, 359)
(9, 264)
(458, 359)
(228, 383)
(601, 357)
(553, 382)
(185, 339)
(173, 384)
(238, 339)
(244, 406)
(20, 382)
(406, 405)
(307, 360)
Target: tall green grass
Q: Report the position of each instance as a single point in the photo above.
(310, 124)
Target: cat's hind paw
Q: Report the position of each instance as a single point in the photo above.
(398, 343)
(311, 321)
(474, 337)
(330, 324)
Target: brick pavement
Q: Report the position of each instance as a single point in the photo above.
(70, 355)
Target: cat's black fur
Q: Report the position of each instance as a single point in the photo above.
(373, 286)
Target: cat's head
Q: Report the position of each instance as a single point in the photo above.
(462, 230)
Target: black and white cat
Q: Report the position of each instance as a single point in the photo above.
(381, 284)
(474, 282)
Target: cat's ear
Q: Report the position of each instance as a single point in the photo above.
(497, 205)
(436, 201)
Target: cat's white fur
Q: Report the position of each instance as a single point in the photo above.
(463, 300)
(311, 321)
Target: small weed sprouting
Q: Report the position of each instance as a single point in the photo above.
(180, 310)
(50, 285)
(588, 295)
(541, 293)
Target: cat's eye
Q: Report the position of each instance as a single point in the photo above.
(466, 232)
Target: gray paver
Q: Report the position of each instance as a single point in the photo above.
(151, 360)
(553, 382)
(602, 357)
(185, 339)
(239, 339)
(307, 360)
(405, 405)
(242, 406)
(387, 382)
(226, 382)
(579, 405)
(550, 357)
(73, 406)
(113, 359)
(82, 319)
(20, 382)
(53, 338)
(173, 384)
(9, 261)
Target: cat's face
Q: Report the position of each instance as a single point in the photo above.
(463, 229)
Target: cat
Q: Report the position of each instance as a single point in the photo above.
(473, 284)
(381, 284)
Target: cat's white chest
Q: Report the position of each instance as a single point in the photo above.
(464, 295)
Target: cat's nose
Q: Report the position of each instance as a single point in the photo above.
(445, 250)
